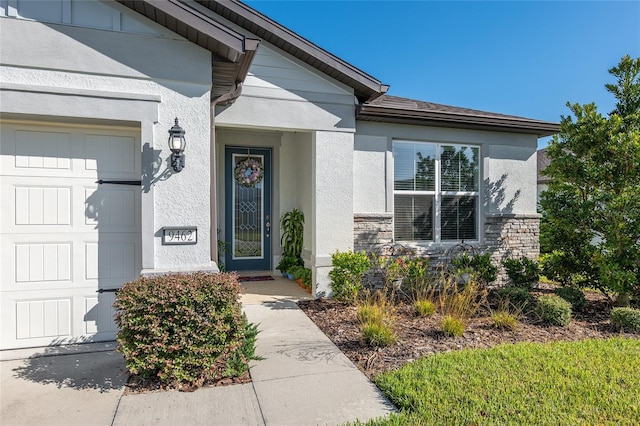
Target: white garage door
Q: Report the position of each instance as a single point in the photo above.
(63, 236)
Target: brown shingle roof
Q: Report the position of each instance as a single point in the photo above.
(393, 109)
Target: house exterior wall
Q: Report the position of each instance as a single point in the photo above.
(125, 72)
(509, 224)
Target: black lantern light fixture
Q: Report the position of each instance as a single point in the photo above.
(177, 143)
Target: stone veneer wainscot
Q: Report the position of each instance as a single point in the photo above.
(505, 235)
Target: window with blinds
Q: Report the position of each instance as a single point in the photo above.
(436, 191)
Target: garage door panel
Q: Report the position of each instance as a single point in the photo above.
(43, 318)
(111, 208)
(38, 205)
(54, 208)
(109, 261)
(42, 150)
(99, 314)
(112, 155)
(75, 317)
(43, 262)
(36, 261)
(74, 154)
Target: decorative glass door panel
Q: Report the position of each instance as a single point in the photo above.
(248, 209)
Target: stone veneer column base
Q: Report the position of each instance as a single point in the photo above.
(371, 229)
(511, 236)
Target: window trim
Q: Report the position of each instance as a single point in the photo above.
(438, 195)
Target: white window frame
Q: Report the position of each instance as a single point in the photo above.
(439, 194)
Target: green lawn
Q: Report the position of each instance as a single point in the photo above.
(560, 383)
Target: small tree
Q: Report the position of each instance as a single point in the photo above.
(591, 211)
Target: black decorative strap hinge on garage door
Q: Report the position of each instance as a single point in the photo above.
(121, 182)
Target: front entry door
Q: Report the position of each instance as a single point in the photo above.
(248, 209)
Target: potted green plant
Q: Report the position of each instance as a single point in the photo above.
(292, 229)
(306, 279)
(298, 272)
(292, 271)
(287, 262)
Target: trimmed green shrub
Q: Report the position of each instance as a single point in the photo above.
(479, 264)
(523, 272)
(184, 329)
(347, 274)
(572, 295)
(626, 319)
(554, 310)
(518, 297)
(238, 362)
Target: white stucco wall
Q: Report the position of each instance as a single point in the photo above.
(295, 190)
(280, 92)
(370, 171)
(515, 165)
(332, 159)
(67, 72)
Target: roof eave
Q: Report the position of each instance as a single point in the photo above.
(179, 18)
(366, 87)
(442, 119)
(232, 52)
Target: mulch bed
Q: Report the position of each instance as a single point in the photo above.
(419, 337)
(136, 384)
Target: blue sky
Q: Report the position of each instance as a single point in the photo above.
(513, 57)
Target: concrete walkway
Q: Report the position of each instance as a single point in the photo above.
(303, 380)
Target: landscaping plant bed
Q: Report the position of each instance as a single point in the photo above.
(136, 384)
(421, 336)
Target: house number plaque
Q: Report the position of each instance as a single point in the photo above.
(179, 235)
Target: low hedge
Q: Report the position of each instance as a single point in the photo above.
(184, 329)
(523, 272)
(554, 310)
(572, 295)
(626, 319)
(518, 297)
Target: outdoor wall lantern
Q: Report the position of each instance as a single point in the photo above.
(177, 143)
